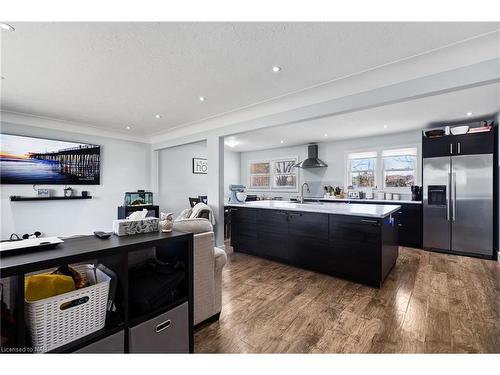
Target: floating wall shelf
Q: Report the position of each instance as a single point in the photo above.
(17, 198)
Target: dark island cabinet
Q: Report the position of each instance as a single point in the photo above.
(409, 221)
(362, 249)
(308, 240)
(272, 229)
(243, 225)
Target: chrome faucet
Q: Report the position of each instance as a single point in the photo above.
(301, 198)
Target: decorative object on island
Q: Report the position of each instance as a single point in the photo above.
(166, 222)
(68, 192)
(200, 166)
(29, 160)
(138, 198)
(237, 193)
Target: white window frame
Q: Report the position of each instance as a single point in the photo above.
(271, 162)
(364, 155)
(382, 157)
(379, 167)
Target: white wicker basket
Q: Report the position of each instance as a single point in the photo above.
(58, 320)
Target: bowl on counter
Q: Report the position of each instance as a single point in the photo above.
(457, 130)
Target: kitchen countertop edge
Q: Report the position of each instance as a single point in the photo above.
(322, 209)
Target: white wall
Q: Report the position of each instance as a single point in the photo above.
(232, 175)
(125, 166)
(177, 181)
(333, 154)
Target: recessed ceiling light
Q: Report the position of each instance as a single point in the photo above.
(128, 127)
(276, 69)
(6, 27)
(385, 126)
(232, 143)
(202, 98)
(282, 141)
(326, 135)
(469, 114)
(158, 116)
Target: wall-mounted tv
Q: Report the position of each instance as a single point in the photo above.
(28, 160)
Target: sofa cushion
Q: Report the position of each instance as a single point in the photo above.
(198, 225)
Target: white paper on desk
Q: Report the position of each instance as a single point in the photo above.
(32, 242)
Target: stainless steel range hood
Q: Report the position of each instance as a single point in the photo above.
(312, 160)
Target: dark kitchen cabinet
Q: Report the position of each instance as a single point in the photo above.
(436, 147)
(308, 240)
(355, 246)
(359, 248)
(272, 234)
(465, 144)
(243, 225)
(478, 143)
(409, 221)
(410, 225)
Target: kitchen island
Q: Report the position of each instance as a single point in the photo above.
(354, 241)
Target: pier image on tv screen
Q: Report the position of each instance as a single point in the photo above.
(28, 160)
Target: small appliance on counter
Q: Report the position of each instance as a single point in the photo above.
(237, 193)
(416, 193)
(356, 195)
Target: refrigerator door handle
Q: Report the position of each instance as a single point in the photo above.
(454, 202)
(448, 198)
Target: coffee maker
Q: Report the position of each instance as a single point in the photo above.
(416, 193)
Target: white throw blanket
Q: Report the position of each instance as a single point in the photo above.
(195, 211)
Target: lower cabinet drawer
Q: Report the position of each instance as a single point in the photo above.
(111, 344)
(167, 333)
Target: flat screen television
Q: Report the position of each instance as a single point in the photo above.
(37, 161)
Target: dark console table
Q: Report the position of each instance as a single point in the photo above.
(115, 253)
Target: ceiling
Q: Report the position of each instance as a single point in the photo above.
(118, 75)
(406, 116)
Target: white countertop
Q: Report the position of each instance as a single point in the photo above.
(368, 210)
(393, 201)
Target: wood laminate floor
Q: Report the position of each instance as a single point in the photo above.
(430, 303)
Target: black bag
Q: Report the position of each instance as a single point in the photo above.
(155, 283)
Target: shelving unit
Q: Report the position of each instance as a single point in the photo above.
(16, 198)
(114, 253)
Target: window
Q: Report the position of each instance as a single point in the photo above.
(399, 167)
(277, 174)
(362, 169)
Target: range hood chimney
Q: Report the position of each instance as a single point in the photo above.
(312, 160)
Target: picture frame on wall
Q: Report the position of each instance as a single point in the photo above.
(200, 166)
(277, 175)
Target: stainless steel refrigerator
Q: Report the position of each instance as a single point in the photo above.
(458, 204)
